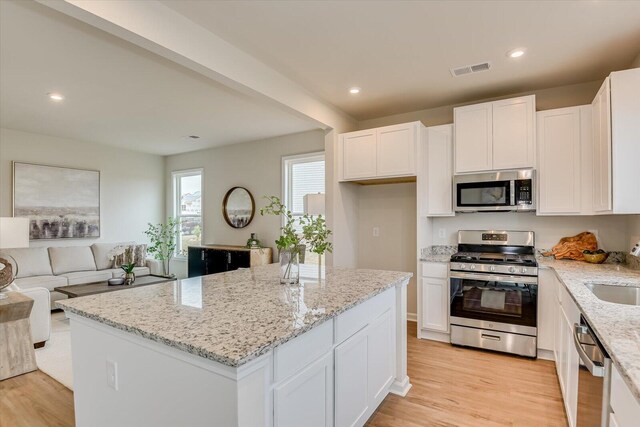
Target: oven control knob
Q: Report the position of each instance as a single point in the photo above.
(472, 267)
(463, 267)
(524, 270)
(492, 268)
(512, 269)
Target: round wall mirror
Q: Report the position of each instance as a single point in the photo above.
(238, 207)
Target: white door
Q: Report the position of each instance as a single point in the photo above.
(381, 357)
(359, 154)
(396, 150)
(559, 160)
(351, 376)
(473, 138)
(439, 170)
(435, 304)
(602, 150)
(514, 133)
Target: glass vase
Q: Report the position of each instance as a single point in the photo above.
(289, 266)
(129, 278)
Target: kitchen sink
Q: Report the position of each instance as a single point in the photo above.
(618, 294)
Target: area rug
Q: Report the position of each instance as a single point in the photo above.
(54, 359)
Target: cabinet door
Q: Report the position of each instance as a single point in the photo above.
(359, 154)
(381, 357)
(473, 138)
(306, 399)
(602, 150)
(351, 376)
(435, 304)
(196, 262)
(439, 170)
(238, 259)
(547, 309)
(396, 150)
(216, 261)
(514, 133)
(559, 159)
(572, 363)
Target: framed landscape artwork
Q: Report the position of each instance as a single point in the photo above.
(61, 203)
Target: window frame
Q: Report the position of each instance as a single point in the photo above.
(177, 208)
(287, 165)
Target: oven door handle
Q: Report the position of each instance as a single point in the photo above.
(494, 277)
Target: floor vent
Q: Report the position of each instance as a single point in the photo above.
(470, 69)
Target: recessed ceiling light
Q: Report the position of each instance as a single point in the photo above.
(354, 90)
(516, 53)
(55, 96)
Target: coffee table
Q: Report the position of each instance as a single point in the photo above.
(74, 291)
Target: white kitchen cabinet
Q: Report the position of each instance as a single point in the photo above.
(439, 171)
(380, 360)
(616, 151)
(565, 161)
(307, 398)
(359, 154)
(385, 152)
(352, 394)
(547, 309)
(513, 133)
(495, 135)
(396, 153)
(625, 409)
(433, 297)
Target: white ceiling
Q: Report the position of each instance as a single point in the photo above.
(117, 93)
(400, 53)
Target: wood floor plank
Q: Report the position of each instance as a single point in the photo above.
(452, 386)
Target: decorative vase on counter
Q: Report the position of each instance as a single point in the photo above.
(289, 266)
(129, 278)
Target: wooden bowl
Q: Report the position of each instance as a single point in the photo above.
(596, 258)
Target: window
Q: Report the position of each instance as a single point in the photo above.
(303, 174)
(187, 190)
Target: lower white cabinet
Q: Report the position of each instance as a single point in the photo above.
(548, 303)
(364, 366)
(307, 398)
(625, 409)
(433, 297)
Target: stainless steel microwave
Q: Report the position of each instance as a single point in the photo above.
(512, 190)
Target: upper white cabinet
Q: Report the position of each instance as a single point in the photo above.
(435, 179)
(616, 151)
(495, 135)
(565, 161)
(386, 152)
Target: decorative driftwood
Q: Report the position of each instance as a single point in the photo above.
(6, 272)
(572, 247)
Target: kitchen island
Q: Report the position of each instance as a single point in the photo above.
(240, 349)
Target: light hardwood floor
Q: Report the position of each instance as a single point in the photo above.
(451, 387)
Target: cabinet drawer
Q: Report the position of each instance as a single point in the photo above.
(623, 403)
(351, 321)
(438, 270)
(294, 355)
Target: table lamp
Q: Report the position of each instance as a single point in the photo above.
(14, 233)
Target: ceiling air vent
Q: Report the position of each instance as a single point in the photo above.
(470, 69)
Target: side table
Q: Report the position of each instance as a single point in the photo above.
(16, 347)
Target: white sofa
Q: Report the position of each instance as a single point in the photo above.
(71, 265)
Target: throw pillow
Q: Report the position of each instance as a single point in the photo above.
(140, 255)
(136, 254)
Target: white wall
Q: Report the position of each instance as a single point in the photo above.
(611, 230)
(634, 230)
(131, 183)
(392, 209)
(256, 166)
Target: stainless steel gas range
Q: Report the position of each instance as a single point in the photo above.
(494, 291)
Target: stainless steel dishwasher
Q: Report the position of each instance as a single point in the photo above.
(594, 378)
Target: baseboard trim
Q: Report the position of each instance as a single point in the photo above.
(434, 336)
(546, 354)
(401, 388)
(412, 317)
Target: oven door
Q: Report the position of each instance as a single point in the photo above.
(495, 302)
(485, 196)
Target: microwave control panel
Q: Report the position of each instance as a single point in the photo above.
(524, 192)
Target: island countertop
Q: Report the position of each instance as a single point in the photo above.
(617, 326)
(232, 318)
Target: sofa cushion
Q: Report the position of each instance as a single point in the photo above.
(71, 258)
(101, 255)
(31, 261)
(139, 271)
(83, 277)
(48, 282)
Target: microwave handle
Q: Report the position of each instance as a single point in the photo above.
(512, 185)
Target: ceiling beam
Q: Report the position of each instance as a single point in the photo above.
(159, 29)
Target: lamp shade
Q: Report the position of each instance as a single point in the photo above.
(314, 204)
(14, 232)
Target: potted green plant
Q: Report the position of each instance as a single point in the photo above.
(290, 243)
(129, 275)
(162, 246)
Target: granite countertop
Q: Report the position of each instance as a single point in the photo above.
(233, 317)
(435, 258)
(617, 326)
(438, 253)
